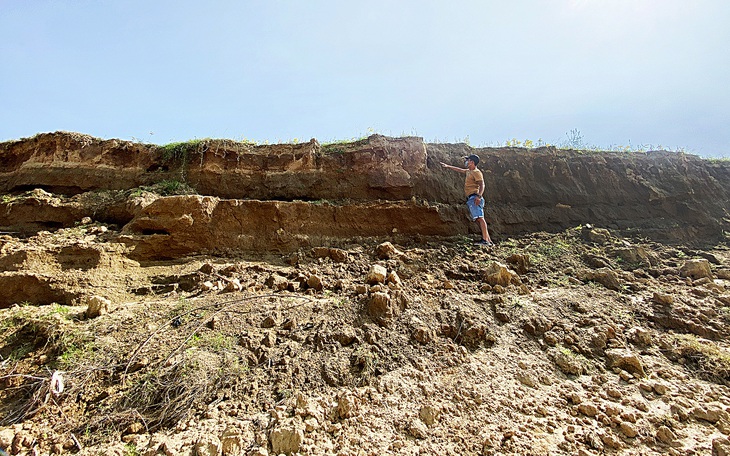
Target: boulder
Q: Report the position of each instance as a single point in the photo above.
(605, 276)
(626, 360)
(520, 261)
(208, 445)
(277, 282)
(381, 308)
(498, 273)
(377, 274)
(696, 269)
(315, 282)
(386, 251)
(97, 306)
(595, 235)
(720, 446)
(286, 438)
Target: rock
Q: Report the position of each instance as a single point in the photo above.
(611, 441)
(423, 334)
(134, 428)
(626, 360)
(720, 446)
(521, 262)
(6, 438)
(588, 409)
(429, 414)
(286, 438)
(394, 280)
(377, 274)
(605, 276)
(382, 308)
(86, 221)
(696, 269)
(347, 405)
(537, 325)
(596, 235)
(596, 261)
(277, 282)
(723, 274)
(207, 268)
(345, 335)
(208, 445)
(663, 299)
(660, 388)
(338, 255)
(497, 273)
(321, 252)
(270, 321)
(723, 425)
(232, 285)
(269, 339)
(639, 336)
(629, 429)
(665, 435)
(207, 286)
(527, 379)
(568, 362)
(386, 251)
(711, 413)
(233, 442)
(97, 306)
(315, 282)
(634, 256)
(418, 429)
(258, 451)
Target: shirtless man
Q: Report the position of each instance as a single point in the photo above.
(473, 189)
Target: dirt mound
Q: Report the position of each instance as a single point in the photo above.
(434, 347)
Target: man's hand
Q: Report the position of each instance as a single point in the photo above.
(455, 168)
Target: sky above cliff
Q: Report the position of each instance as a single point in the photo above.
(607, 73)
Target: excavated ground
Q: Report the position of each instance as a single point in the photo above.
(580, 342)
(328, 299)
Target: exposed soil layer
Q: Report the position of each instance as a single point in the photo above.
(328, 299)
(668, 196)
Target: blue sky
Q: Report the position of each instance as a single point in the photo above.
(621, 72)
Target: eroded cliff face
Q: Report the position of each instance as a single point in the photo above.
(283, 197)
(307, 299)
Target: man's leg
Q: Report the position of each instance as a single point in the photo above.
(483, 226)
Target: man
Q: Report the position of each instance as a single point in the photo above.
(474, 189)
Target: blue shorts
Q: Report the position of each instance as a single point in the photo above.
(475, 210)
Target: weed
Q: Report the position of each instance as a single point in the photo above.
(75, 348)
(130, 449)
(181, 151)
(366, 361)
(172, 187)
(217, 341)
(60, 309)
(194, 340)
(515, 302)
(711, 361)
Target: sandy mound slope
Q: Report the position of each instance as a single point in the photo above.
(580, 342)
